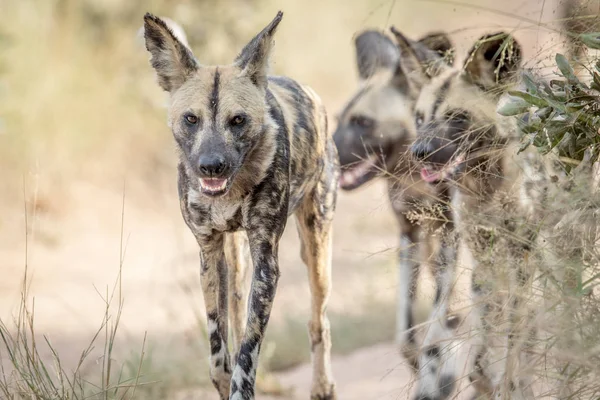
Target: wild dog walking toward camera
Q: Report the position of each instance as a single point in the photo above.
(461, 140)
(253, 150)
(374, 133)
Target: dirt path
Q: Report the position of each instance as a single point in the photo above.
(373, 373)
(376, 373)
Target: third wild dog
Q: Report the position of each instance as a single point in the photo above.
(577, 17)
(373, 135)
(463, 141)
(253, 149)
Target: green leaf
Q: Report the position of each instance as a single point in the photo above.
(556, 132)
(547, 89)
(585, 98)
(565, 68)
(513, 106)
(529, 98)
(591, 40)
(532, 129)
(530, 83)
(575, 106)
(558, 105)
(596, 81)
(544, 112)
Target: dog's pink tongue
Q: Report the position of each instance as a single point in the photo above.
(429, 176)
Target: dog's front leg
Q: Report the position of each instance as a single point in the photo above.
(263, 248)
(408, 271)
(444, 266)
(236, 253)
(213, 276)
(438, 357)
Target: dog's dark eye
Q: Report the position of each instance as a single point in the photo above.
(237, 120)
(362, 122)
(191, 119)
(458, 116)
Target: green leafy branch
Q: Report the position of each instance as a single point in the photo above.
(562, 115)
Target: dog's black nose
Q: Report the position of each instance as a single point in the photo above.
(211, 164)
(421, 150)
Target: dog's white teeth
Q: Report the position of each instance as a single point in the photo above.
(213, 184)
(348, 178)
(362, 168)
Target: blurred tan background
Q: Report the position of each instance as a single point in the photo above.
(85, 153)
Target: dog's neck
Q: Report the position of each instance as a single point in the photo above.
(398, 163)
(480, 181)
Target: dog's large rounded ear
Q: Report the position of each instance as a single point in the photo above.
(253, 60)
(172, 59)
(413, 67)
(374, 51)
(440, 43)
(494, 60)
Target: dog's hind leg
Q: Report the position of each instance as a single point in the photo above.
(213, 276)
(237, 254)
(314, 218)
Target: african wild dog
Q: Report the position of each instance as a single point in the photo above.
(253, 150)
(462, 141)
(578, 16)
(374, 132)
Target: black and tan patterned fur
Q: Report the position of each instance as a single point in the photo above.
(577, 17)
(462, 141)
(374, 132)
(254, 149)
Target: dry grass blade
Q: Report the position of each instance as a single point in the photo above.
(29, 374)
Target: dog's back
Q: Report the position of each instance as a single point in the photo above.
(305, 121)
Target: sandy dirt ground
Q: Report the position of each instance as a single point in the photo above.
(373, 373)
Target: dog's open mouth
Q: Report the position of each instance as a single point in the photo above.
(431, 175)
(435, 173)
(358, 173)
(213, 186)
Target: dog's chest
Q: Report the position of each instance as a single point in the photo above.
(209, 216)
(225, 216)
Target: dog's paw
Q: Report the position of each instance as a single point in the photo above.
(438, 388)
(410, 353)
(325, 393)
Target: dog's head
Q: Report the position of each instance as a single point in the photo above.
(455, 114)
(377, 121)
(218, 114)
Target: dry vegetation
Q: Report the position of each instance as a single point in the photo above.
(88, 193)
